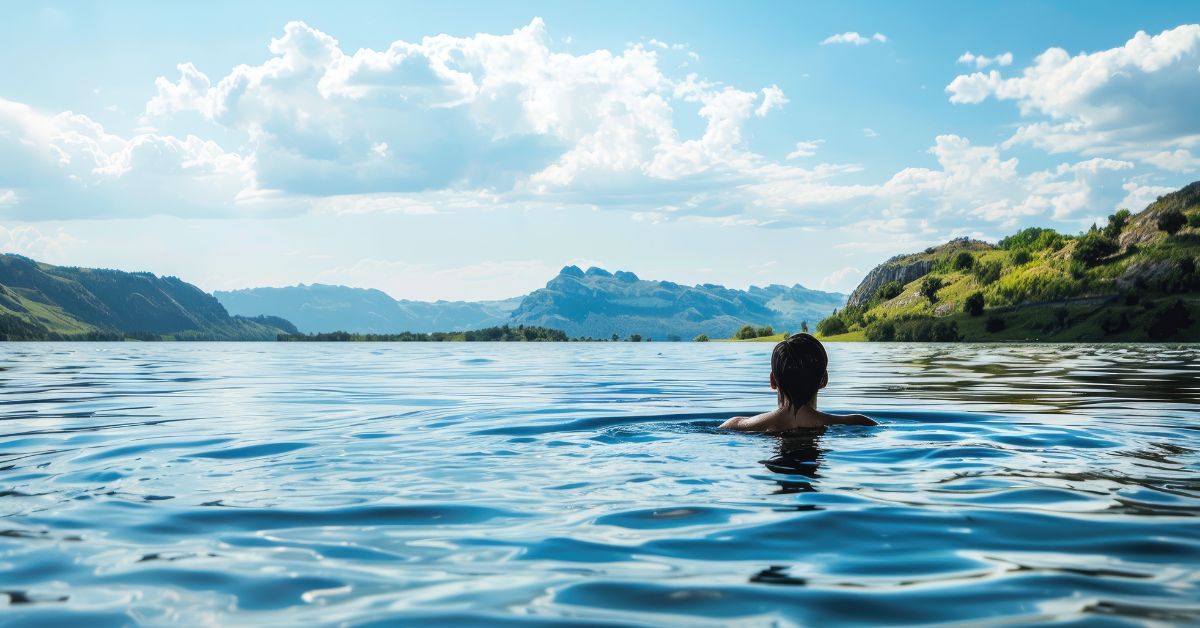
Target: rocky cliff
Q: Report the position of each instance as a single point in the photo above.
(895, 269)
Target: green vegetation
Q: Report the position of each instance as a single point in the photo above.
(834, 325)
(852, 336)
(504, 333)
(1134, 279)
(974, 304)
(748, 332)
(1034, 239)
(889, 291)
(700, 338)
(45, 302)
(1116, 223)
(930, 286)
(1172, 221)
(1093, 247)
(913, 329)
(986, 273)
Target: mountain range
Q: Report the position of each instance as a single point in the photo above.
(316, 308)
(45, 302)
(593, 303)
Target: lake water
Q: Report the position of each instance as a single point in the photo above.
(452, 484)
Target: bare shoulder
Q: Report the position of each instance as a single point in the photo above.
(855, 419)
(755, 423)
(851, 419)
(734, 423)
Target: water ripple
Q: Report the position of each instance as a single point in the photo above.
(483, 484)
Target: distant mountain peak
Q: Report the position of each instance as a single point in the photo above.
(595, 303)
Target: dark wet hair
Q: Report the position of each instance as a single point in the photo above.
(798, 364)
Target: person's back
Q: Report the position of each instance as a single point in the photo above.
(799, 368)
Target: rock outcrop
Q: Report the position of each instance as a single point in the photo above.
(909, 267)
(895, 269)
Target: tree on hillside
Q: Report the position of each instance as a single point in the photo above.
(1093, 247)
(987, 272)
(1033, 238)
(963, 261)
(1116, 223)
(1171, 221)
(832, 326)
(889, 291)
(635, 337)
(930, 287)
(974, 304)
(701, 338)
(746, 332)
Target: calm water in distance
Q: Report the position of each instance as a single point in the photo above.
(451, 484)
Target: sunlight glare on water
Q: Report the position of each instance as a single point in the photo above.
(470, 483)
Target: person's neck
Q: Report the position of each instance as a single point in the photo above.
(811, 406)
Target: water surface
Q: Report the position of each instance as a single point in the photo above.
(454, 483)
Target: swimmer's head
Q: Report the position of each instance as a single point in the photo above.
(798, 369)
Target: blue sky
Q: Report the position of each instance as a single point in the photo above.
(468, 150)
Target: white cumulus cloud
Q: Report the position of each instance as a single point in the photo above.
(977, 182)
(499, 112)
(66, 164)
(773, 98)
(981, 61)
(806, 148)
(31, 242)
(1112, 102)
(1179, 160)
(506, 122)
(852, 37)
(842, 279)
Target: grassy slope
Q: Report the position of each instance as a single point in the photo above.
(29, 314)
(24, 304)
(1034, 298)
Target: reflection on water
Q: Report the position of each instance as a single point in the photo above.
(457, 484)
(797, 453)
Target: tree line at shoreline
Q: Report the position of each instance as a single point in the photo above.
(501, 333)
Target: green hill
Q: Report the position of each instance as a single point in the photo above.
(45, 302)
(1133, 280)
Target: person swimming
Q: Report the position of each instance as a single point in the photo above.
(798, 370)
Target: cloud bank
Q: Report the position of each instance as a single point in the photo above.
(1138, 101)
(503, 122)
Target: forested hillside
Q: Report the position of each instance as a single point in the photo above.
(45, 302)
(1133, 279)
